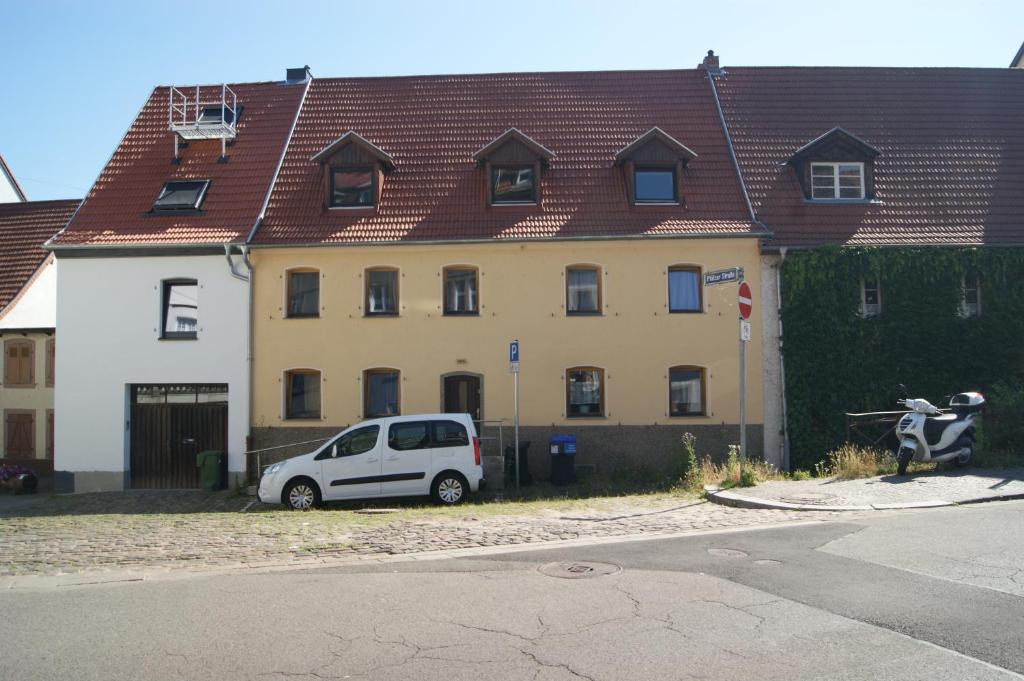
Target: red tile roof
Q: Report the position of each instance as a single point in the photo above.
(951, 168)
(24, 228)
(432, 126)
(117, 209)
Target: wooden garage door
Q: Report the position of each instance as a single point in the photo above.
(19, 433)
(166, 436)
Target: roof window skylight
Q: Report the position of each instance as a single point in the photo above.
(187, 195)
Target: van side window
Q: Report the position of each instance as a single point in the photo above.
(409, 435)
(352, 443)
(449, 434)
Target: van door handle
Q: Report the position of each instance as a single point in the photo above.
(372, 460)
(392, 458)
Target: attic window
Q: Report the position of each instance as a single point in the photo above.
(837, 180)
(181, 195)
(352, 187)
(653, 165)
(513, 185)
(215, 115)
(656, 185)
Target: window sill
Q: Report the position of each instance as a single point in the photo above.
(841, 202)
(586, 416)
(513, 204)
(686, 311)
(460, 314)
(302, 316)
(21, 386)
(302, 418)
(686, 416)
(178, 338)
(584, 314)
(656, 203)
(382, 315)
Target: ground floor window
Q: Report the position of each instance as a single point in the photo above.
(584, 392)
(302, 394)
(686, 391)
(381, 393)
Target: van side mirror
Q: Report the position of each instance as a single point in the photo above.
(334, 451)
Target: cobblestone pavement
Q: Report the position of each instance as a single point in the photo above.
(191, 530)
(916, 488)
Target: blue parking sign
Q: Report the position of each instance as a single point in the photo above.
(513, 351)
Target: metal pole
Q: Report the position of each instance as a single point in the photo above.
(743, 400)
(517, 431)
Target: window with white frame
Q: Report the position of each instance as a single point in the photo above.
(870, 297)
(970, 302)
(837, 180)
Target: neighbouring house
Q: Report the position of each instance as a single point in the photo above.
(1018, 59)
(419, 224)
(153, 289)
(894, 197)
(10, 190)
(28, 311)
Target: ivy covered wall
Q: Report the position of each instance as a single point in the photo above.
(838, 362)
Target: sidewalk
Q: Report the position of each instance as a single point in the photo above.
(887, 492)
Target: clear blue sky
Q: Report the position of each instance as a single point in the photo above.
(77, 72)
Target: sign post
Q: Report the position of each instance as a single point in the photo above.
(513, 367)
(746, 305)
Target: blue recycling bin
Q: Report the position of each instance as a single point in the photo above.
(563, 459)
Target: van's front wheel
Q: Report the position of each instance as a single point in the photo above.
(449, 488)
(301, 494)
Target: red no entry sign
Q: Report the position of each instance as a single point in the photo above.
(746, 301)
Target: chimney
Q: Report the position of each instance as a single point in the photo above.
(710, 64)
(299, 75)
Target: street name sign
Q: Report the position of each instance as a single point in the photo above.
(728, 276)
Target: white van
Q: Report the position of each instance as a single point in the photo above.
(400, 456)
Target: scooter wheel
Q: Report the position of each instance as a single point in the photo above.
(903, 460)
(963, 459)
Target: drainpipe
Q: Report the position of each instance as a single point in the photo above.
(247, 278)
(782, 362)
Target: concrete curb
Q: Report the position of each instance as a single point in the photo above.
(736, 500)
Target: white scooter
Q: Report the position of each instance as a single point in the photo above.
(926, 434)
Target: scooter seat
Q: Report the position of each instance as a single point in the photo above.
(935, 426)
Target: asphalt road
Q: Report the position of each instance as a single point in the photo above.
(927, 595)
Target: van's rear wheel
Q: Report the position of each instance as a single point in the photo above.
(449, 489)
(903, 458)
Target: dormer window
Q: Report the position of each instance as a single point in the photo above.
(352, 187)
(837, 180)
(354, 171)
(181, 195)
(835, 167)
(653, 164)
(656, 185)
(513, 163)
(513, 185)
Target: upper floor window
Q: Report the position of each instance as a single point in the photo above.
(837, 180)
(686, 391)
(870, 297)
(684, 289)
(51, 360)
(381, 291)
(352, 187)
(583, 289)
(180, 309)
(584, 392)
(303, 293)
(655, 185)
(187, 195)
(19, 363)
(513, 185)
(460, 291)
(970, 303)
(302, 394)
(381, 393)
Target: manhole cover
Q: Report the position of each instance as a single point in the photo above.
(767, 562)
(811, 498)
(578, 569)
(727, 553)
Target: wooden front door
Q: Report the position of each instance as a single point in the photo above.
(462, 395)
(19, 433)
(166, 436)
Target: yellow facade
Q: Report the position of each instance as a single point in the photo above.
(522, 295)
(36, 398)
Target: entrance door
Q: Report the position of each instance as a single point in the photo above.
(170, 424)
(462, 395)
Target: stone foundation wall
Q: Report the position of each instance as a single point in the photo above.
(641, 452)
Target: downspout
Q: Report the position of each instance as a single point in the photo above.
(782, 362)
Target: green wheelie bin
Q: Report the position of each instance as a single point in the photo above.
(211, 469)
